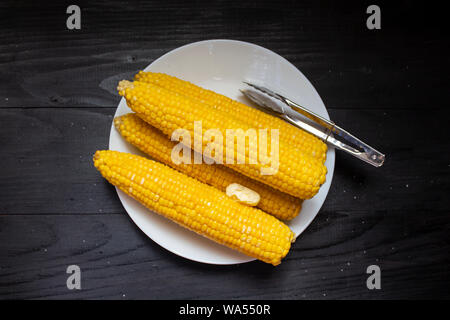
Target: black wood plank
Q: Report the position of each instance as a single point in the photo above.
(44, 64)
(327, 261)
(47, 162)
(46, 154)
(57, 98)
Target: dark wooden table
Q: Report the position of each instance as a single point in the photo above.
(57, 99)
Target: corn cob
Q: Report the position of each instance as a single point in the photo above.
(155, 144)
(196, 206)
(298, 175)
(253, 117)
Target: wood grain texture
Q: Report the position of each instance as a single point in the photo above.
(327, 261)
(54, 147)
(57, 99)
(42, 63)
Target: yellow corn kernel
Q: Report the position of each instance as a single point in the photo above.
(155, 144)
(296, 173)
(254, 118)
(173, 195)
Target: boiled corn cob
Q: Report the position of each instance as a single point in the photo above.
(253, 117)
(196, 206)
(298, 175)
(154, 143)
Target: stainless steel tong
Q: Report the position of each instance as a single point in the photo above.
(307, 120)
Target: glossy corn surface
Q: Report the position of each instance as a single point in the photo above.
(196, 206)
(254, 118)
(297, 174)
(158, 146)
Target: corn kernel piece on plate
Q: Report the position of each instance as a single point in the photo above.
(221, 66)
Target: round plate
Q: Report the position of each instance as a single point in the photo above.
(222, 65)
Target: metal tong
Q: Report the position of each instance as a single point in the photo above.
(307, 120)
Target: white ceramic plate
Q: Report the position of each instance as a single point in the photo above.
(221, 65)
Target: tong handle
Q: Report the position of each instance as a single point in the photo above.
(366, 152)
(369, 154)
(309, 114)
(322, 128)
